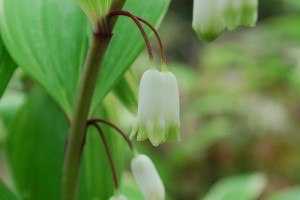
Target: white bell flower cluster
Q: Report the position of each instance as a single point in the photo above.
(211, 17)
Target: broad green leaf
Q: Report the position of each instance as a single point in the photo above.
(48, 39)
(243, 187)
(5, 193)
(96, 178)
(127, 43)
(35, 148)
(7, 67)
(286, 194)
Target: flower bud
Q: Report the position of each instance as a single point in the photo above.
(118, 197)
(158, 108)
(147, 178)
(207, 19)
(249, 12)
(232, 12)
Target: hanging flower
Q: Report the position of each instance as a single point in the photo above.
(147, 178)
(231, 12)
(210, 17)
(118, 197)
(158, 108)
(207, 19)
(249, 13)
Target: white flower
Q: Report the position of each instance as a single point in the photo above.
(212, 16)
(232, 12)
(171, 106)
(158, 108)
(207, 19)
(249, 12)
(118, 197)
(147, 178)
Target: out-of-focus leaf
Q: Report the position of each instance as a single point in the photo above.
(7, 67)
(244, 187)
(5, 193)
(286, 194)
(127, 43)
(96, 178)
(10, 103)
(126, 91)
(48, 39)
(35, 148)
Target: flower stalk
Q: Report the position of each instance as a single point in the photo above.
(82, 105)
(137, 22)
(109, 155)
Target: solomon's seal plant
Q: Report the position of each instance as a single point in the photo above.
(158, 113)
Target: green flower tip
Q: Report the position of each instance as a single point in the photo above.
(96, 10)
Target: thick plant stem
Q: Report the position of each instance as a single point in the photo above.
(91, 69)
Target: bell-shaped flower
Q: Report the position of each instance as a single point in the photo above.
(118, 197)
(147, 178)
(249, 12)
(232, 12)
(207, 19)
(171, 106)
(158, 108)
(212, 16)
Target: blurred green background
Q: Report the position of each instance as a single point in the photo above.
(240, 109)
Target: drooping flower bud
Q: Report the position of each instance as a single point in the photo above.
(207, 19)
(231, 12)
(249, 13)
(212, 16)
(158, 108)
(147, 178)
(118, 197)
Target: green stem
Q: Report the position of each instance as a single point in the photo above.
(85, 93)
(81, 111)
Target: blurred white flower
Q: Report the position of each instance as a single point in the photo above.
(147, 178)
(207, 19)
(118, 197)
(231, 12)
(210, 17)
(158, 108)
(249, 13)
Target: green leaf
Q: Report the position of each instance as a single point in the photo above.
(286, 194)
(5, 193)
(96, 178)
(35, 148)
(7, 67)
(48, 39)
(127, 43)
(245, 187)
